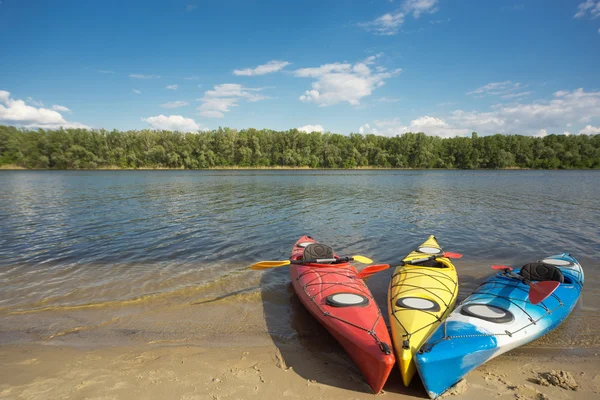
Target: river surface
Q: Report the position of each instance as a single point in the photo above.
(103, 256)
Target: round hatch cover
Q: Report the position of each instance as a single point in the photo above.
(487, 312)
(418, 303)
(556, 261)
(346, 300)
(429, 250)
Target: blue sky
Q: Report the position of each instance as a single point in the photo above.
(439, 66)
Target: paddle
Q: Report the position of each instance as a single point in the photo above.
(538, 292)
(367, 272)
(273, 264)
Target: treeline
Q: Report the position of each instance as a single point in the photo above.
(223, 147)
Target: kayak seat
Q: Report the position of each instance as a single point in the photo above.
(317, 250)
(432, 264)
(539, 271)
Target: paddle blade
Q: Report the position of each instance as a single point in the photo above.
(449, 254)
(373, 269)
(501, 267)
(269, 264)
(362, 259)
(540, 291)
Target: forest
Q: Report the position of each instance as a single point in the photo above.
(247, 148)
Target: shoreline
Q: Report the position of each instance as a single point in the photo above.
(283, 168)
(190, 372)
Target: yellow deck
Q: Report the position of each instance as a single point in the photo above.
(411, 327)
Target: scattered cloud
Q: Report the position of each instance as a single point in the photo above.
(553, 115)
(388, 100)
(506, 89)
(343, 82)
(175, 104)
(17, 112)
(538, 118)
(311, 128)
(141, 76)
(268, 68)
(34, 103)
(171, 87)
(418, 7)
(137, 91)
(172, 123)
(515, 95)
(427, 124)
(590, 130)
(219, 100)
(389, 23)
(58, 108)
(105, 71)
(190, 7)
(366, 129)
(446, 104)
(589, 8)
(191, 78)
(541, 133)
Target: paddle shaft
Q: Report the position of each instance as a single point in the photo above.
(323, 260)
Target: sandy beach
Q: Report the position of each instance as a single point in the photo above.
(253, 372)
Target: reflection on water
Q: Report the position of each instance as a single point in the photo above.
(126, 245)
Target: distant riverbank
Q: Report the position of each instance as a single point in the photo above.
(11, 167)
(226, 148)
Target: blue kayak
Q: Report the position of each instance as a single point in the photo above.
(495, 318)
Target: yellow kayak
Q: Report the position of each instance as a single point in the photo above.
(420, 297)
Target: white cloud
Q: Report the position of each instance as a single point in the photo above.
(564, 109)
(34, 103)
(171, 87)
(172, 123)
(388, 24)
(435, 126)
(504, 89)
(140, 76)
(426, 124)
(56, 107)
(311, 128)
(591, 7)
(541, 133)
(175, 104)
(515, 95)
(388, 100)
(191, 78)
(137, 91)
(17, 112)
(366, 129)
(418, 7)
(268, 68)
(219, 100)
(343, 82)
(590, 130)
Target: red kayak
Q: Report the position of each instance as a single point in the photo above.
(343, 304)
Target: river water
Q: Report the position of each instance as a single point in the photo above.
(161, 256)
